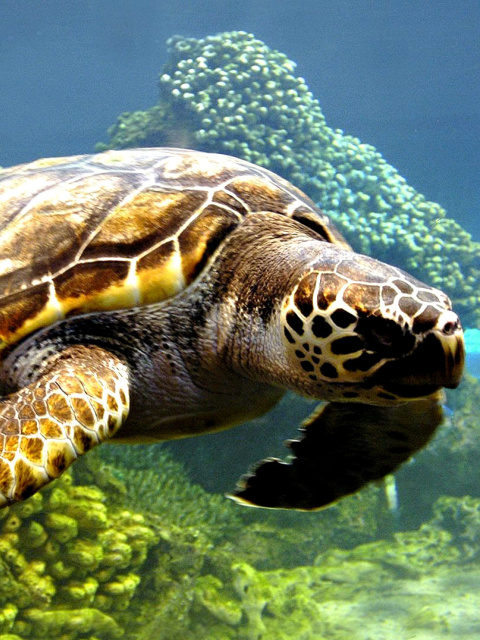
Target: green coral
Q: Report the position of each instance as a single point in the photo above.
(309, 601)
(410, 553)
(156, 127)
(76, 562)
(68, 562)
(133, 575)
(231, 93)
(158, 484)
(461, 517)
(50, 624)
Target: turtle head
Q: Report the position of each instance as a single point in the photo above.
(358, 329)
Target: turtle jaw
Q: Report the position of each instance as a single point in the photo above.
(436, 362)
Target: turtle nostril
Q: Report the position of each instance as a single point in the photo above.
(449, 328)
(451, 324)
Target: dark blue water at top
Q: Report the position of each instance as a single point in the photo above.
(400, 75)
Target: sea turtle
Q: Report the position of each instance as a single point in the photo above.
(152, 294)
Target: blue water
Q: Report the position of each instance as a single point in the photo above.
(402, 76)
(399, 75)
(472, 345)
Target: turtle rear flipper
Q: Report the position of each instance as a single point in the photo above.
(343, 447)
(81, 400)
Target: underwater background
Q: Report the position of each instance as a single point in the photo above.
(373, 109)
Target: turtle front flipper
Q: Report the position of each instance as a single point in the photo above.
(343, 447)
(80, 400)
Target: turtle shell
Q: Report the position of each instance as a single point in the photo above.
(124, 228)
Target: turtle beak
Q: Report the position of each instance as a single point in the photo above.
(437, 361)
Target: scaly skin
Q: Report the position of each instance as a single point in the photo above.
(78, 403)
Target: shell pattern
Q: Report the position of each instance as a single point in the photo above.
(123, 228)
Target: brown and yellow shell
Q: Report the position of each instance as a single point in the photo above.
(123, 228)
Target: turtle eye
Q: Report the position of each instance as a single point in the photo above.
(385, 336)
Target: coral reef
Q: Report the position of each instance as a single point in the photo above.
(133, 552)
(80, 562)
(128, 547)
(461, 517)
(69, 564)
(230, 93)
(412, 572)
(157, 484)
(73, 558)
(388, 589)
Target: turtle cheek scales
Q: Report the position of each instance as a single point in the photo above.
(343, 319)
(330, 285)
(362, 297)
(303, 297)
(295, 322)
(321, 326)
(363, 329)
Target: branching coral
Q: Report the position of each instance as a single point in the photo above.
(158, 484)
(230, 93)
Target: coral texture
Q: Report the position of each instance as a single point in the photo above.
(69, 564)
(137, 551)
(419, 582)
(79, 562)
(231, 93)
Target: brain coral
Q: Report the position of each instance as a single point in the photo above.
(230, 93)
